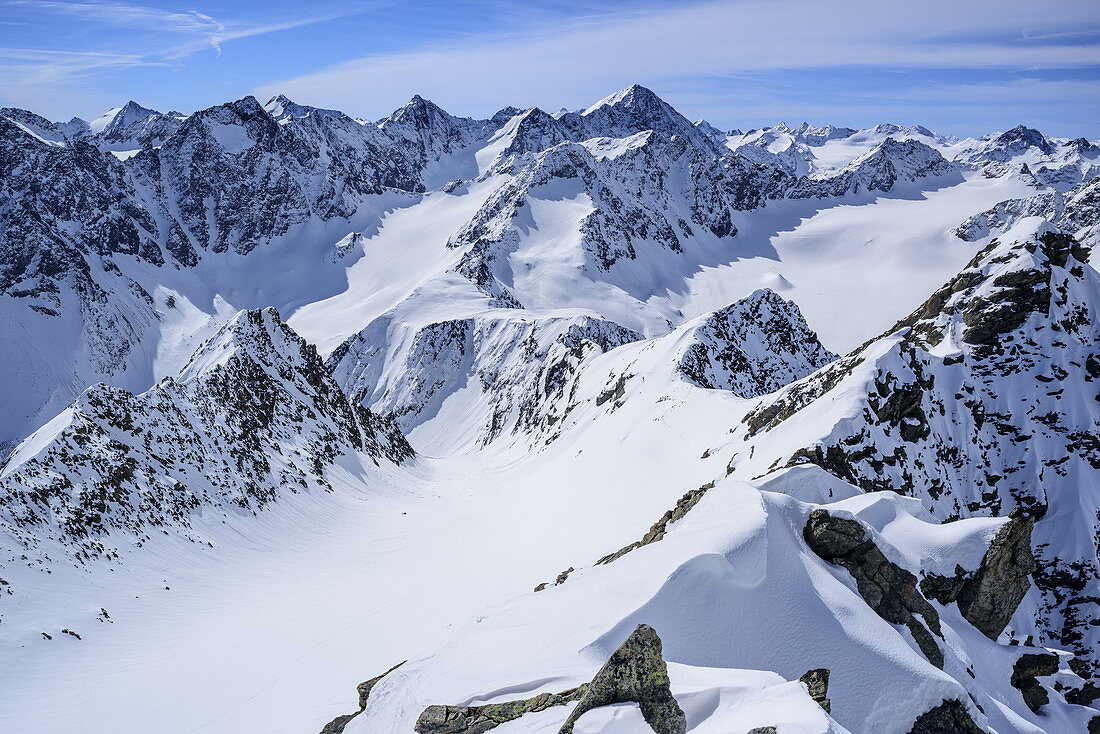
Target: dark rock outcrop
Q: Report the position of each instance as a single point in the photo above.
(888, 589)
(1025, 673)
(990, 598)
(636, 672)
(336, 726)
(950, 717)
(817, 683)
(364, 688)
(1083, 696)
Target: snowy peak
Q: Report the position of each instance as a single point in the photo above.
(1020, 138)
(420, 115)
(117, 118)
(135, 127)
(430, 134)
(282, 108)
(524, 135)
(130, 114)
(258, 336)
(711, 130)
(890, 162)
(252, 417)
(28, 123)
(753, 347)
(636, 109)
(945, 406)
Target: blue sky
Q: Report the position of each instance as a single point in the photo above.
(958, 67)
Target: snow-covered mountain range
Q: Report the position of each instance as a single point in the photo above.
(602, 421)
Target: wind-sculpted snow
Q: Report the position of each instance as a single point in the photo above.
(252, 416)
(983, 400)
(753, 347)
(733, 590)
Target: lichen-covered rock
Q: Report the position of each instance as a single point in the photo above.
(817, 684)
(888, 589)
(437, 719)
(636, 672)
(1025, 673)
(950, 717)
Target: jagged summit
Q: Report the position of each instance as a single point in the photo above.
(1022, 137)
(418, 112)
(635, 109)
(635, 96)
(129, 114)
(753, 347)
(251, 417)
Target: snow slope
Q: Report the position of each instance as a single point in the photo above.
(610, 336)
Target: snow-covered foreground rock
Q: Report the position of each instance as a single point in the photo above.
(574, 450)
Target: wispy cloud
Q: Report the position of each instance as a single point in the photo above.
(121, 35)
(569, 63)
(201, 30)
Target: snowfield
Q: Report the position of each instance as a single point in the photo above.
(476, 410)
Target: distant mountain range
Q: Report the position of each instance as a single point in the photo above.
(871, 359)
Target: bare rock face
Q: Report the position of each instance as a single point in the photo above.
(364, 688)
(950, 717)
(636, 672)
(886, 587)
(1025, 674)
(990, 598)
(336, 726)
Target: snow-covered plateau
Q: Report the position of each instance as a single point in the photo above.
(593, 421)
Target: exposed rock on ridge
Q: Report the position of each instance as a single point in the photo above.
(889, 589)
(636, 672)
